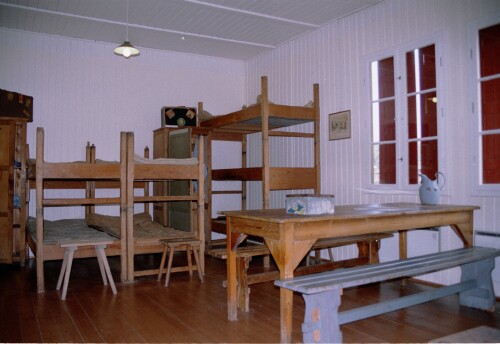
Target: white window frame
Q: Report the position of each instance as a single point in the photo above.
(402, 185)
(478, 189)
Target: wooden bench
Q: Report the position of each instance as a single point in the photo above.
(70, 247)
(322, 291)
(368, 246)
(181, 244)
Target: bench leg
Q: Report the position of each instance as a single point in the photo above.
(321, 319)
(101, 266)
(196, 254)
(369, 250)
(63, 270)
(69, 263)
(169, 267)
(243, 290)
(483, 296)
(266, 261)
(103, 261)
(190, 263)
(162, 263)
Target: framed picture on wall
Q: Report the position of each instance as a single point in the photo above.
(339, 125)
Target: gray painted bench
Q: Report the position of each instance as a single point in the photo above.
(322, 291)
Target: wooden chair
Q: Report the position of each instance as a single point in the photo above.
(71, 247)
(181, 244)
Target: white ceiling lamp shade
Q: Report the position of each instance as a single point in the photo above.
(126, 49)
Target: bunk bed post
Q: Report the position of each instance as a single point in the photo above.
(244, 165)
(201, 202)
(208, 180)
(90, 185)
(264, 108)
(146, 184)
(123, 206)
(317, 135)
(130, 207)
(39, 210)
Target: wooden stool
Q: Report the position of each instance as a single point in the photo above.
(177, 244)
(71, 247)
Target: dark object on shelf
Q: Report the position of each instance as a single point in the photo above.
(179, 116)
(16, 105)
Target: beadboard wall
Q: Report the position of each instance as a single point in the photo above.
(83, 92)
(332, 57)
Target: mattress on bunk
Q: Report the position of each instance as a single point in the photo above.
(165, 161)
(57, 231)
(144, 227)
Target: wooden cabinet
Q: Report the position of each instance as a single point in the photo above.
(175, 143)
(12, 190)
(16, 110)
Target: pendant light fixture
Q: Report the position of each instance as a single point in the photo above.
(126, 49)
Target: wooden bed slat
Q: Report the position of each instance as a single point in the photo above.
(81, 171)
(54, 202)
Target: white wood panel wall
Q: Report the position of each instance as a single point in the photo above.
(83, 92)
(331, 56)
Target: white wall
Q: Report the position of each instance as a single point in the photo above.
(331, 56)
(83, 92)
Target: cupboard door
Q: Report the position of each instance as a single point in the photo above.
(179, 213)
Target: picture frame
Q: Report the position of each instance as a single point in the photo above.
(339, 125)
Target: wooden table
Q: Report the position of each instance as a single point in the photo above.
(290, 237)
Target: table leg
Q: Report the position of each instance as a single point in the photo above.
(232, 311)
(403, 247)
(286, 308)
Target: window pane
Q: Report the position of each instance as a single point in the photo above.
(422, 115)
(490, 100)
(421, 69)
(384, 164)
(489, 45)
(382, 77)
(383, 121)
(423, 158)
(491, 159)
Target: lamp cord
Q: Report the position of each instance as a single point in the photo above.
(127, 21)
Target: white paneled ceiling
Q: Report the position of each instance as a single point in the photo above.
(233, 29)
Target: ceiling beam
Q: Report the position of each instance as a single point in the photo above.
(256, 14)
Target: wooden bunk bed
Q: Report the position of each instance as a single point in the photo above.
(263, 117)
(93, 174)
(45, 244)
(163, 169)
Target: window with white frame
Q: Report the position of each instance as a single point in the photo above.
(405, 136)
(485, 56)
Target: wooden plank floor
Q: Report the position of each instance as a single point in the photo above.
(190, 311)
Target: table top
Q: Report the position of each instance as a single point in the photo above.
(349, 212)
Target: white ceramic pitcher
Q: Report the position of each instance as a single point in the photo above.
(430, 190)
